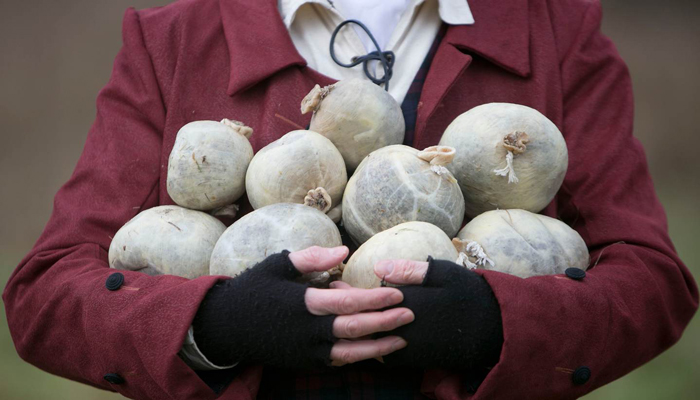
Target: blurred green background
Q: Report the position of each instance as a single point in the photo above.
(56, 55)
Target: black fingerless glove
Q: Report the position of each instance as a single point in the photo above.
(260, 317)
(458, 321)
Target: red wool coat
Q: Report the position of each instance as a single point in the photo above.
(210, 59)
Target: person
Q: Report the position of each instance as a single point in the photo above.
(466, 335)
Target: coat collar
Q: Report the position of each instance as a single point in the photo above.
(258, 42)
(453, 12)
(500, 35)
(260, 46)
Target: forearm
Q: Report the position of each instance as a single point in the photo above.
(458, 320)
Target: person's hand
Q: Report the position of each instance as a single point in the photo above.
(264, 316)
(351, 306)
(458, 320)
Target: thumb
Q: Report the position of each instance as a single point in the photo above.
(402, 272)
(317, 258)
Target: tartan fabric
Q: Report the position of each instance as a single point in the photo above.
(367, 380)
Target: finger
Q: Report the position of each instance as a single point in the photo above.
(339, 285)
(350, 301)
(348, 352)
(401, 272)
(317, 258)
(362, 324)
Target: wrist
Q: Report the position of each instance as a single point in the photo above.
(261, 317)
(457, 321)
(208, 331)
(193, 356)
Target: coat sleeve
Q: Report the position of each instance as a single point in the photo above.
(61, 316)
(637, 297)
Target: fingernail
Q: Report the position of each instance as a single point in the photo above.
(339, 251)
(395, 298)
(406, 318)
(384, 268)
(398, 344)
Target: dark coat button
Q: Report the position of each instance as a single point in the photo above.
(575, 273)
(115, 281)
(581, 375)
(114, 379)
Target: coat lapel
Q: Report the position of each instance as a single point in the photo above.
(500, 35)
(449, 64)
(258, 42)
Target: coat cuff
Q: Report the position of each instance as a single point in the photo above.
(545, 339)
(139, 330)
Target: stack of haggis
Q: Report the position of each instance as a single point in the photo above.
(497, 163)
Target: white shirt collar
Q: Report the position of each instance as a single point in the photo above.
(452, 12)
(455, 12)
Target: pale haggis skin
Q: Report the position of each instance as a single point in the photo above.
(526, 244)
(410, 240)
(285, 170)
(478, 135)
(393, 185)
(357, 116)
(207, 166)
(168, 240)
(269, 230)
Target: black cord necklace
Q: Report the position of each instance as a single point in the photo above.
(386, 58)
